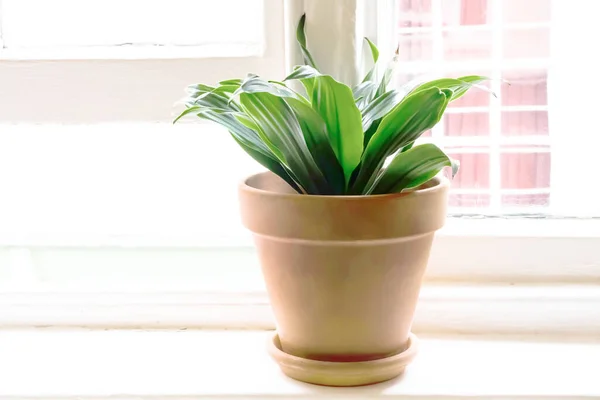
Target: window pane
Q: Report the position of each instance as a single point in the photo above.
(467, 124)
(44, 23)
(414, 13)
(524, 123)
(526, 43)
(525, 170)
(415, 47)
(467, 45)
(465, 12)
(516, 148)
(519, 11)
(476, 175)
(526, 88)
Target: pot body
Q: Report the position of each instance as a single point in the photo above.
(343, 273)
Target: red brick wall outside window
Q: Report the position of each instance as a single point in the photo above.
(502, 143)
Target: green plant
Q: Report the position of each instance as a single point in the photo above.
(335, 140)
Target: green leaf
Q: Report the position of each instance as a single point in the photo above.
(335, 103)
(379, 107)
(302, 72)
(187, 111)
(364, 93)
(281, 132)
(216, 99)
(375, 55)
(197, 89)
(270, 162)
(244, 134)
(301, 38)
(414, 115)
(315, 134)
(459, 86)
(232, 82)
(253, 84)
(407, 147)
(412, 168)
(370, 132)
(387, 75)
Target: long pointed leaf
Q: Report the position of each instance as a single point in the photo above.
(269, 162)
(244, 134)
(412, 168)
(404, 124)
(387, 75)
(303, 72)
(281, 132)
(379, 107)
(317, 140)
(216, 99)
(375, 55)
(197, 89)
(459, 86)
(301, 38)
(335, 103)
(364, 93)
(233, 82)
(254, 84)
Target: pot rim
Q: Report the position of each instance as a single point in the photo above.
(440, 183)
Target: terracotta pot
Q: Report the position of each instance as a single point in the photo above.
(343, 273)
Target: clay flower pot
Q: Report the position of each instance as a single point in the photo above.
(343, 274)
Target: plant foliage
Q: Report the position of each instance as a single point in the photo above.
(335, 140)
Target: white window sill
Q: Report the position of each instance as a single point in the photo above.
(195, 364)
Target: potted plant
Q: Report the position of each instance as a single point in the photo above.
(344, 219)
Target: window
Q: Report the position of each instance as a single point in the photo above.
(132, 23)
(507, 145)
(92, 167)
(109, 214)
(99, 157)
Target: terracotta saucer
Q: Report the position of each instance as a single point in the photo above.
(342, 373)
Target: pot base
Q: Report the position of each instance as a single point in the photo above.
(342, 373)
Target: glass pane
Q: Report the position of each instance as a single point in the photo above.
(415, 46)
(473, 98)
(527, 88)
(121, 22)
(524, 123)
(525, 170)
(414, 13)
(465, 12)
(467, 124)
(476, 174)
(514, 128)
(519, 11)
(465, 45)
(526, 43)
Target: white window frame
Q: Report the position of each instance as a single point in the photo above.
(127, 84)
(486, 275)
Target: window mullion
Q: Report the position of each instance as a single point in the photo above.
(495, 120)
(437, 47)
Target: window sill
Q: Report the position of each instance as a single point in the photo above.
(534, 311)
(194, 364)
